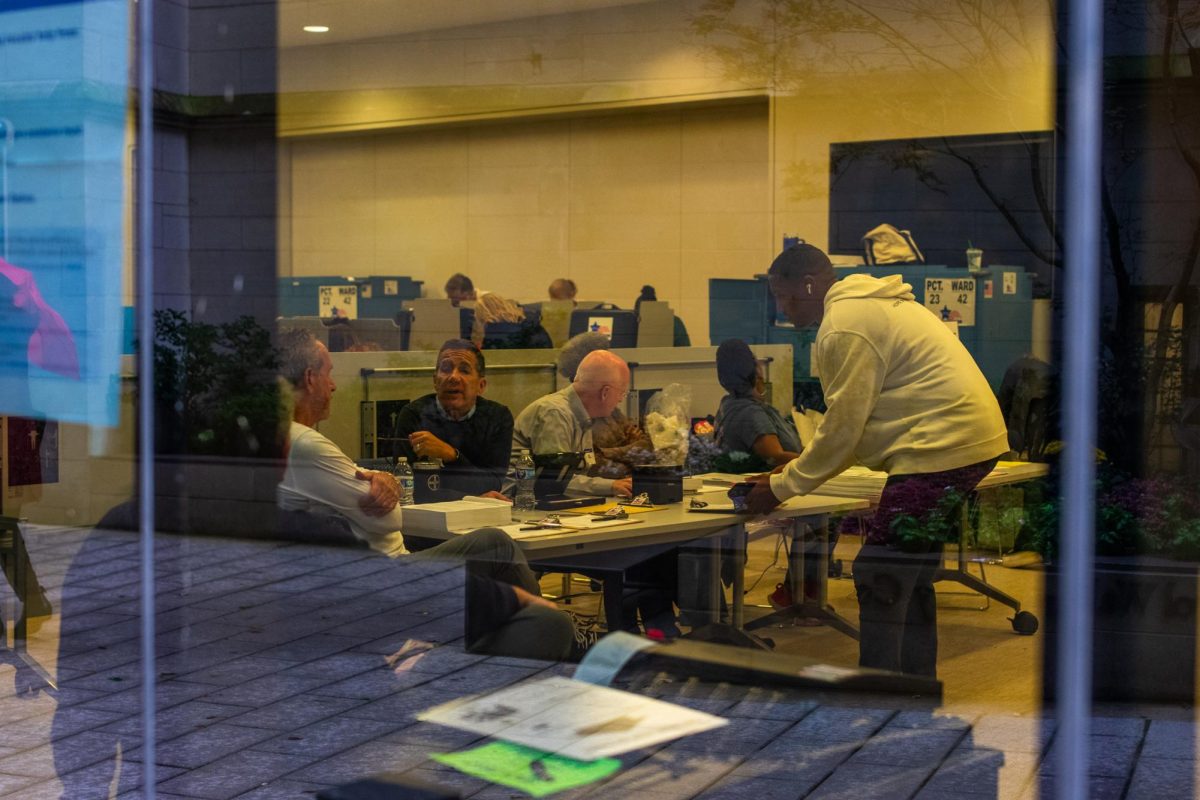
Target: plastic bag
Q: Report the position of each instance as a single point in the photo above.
(668, 422)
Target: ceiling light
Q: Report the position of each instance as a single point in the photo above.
(316, 28)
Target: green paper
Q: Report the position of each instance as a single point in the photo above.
(533, 771)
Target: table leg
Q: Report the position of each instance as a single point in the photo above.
(802, 607)
(740, 542)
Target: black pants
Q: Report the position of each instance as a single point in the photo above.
(897, 608)
(894, 571)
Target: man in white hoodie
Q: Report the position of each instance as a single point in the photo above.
(903, 396)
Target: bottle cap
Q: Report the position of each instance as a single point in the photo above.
(403, 459)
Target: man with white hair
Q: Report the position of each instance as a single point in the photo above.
(562, 422)
(509, 616)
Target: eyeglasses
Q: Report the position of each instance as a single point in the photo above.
(620, 397)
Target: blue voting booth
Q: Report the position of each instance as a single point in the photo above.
(993, 308)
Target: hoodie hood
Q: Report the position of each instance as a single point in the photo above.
(860, 285)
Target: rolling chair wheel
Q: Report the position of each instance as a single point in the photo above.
(1025, 623)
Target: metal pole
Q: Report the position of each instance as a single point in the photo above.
(145, 299)
(1085, 54)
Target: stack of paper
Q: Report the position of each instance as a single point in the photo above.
(458, 515)
(724, 478)
(856, 482)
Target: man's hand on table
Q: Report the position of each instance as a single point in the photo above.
(525, 599)
(426, 445)
(623, 487)
(383, 494)
(497, 496)
(761, 499)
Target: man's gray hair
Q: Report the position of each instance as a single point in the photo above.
(298, 351)
(576, 348)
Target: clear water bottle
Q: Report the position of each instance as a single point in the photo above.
(525, 501)
(404, 477)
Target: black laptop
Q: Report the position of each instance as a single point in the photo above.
(554, 471)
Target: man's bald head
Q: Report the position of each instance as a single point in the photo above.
(602, 382)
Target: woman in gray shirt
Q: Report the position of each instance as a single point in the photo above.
(745, 421)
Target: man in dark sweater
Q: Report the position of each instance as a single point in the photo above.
(469, 433)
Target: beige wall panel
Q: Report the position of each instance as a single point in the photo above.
(350, 234)
(625, 139)
(618, 275)
(724, 186)
(599, 188)
(631, 232)
(728, 133)
(541, 143)
(517, 232)
(518, 189)
(441, 148)
(725, 231)
(431, 266)
(422, 232)
(522, 275)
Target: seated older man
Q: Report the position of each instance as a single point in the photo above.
(469, 433)
(620, 444)
(562, 422)
(508, 615)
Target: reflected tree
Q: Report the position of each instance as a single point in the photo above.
(1151, 231)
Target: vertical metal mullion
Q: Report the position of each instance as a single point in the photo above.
(1084, 103)
(145, 373)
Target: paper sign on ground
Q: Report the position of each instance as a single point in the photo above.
(534, 772)
(572, 719)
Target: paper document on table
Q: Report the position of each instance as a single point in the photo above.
(571, 718)
(519, 530)
(466, 514)
(601, 508)
(725, 478)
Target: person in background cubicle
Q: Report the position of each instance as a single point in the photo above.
(457, 424)
(904, 396)
(681, 334)
(562, 289)
(460, 289)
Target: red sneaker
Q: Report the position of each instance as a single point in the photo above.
(781, 598)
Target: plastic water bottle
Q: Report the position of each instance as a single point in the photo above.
(525, 501)
(404, 477)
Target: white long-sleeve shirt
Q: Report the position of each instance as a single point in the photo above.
(320, 479)
(903, 394)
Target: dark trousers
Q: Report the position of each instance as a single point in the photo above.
(893, 575)
(897, 608)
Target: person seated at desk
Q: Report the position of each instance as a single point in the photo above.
(319, 479)
(904, 396)
(519, 333)
(563, 422)
(745, 421)
(469, 433)
(680, 333)
(620, 444)
(460, 289)
(562, 289)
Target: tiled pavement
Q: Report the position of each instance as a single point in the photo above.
(272, 683)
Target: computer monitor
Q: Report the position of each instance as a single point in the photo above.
(619, 325)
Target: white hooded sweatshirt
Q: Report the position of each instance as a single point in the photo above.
(903, 394)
